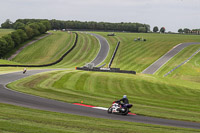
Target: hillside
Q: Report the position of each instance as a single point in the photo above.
(189, 71)
(151, 95)
(86, 50)
(46, 50)
(138, 55)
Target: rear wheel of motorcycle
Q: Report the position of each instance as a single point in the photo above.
(109, 110)
(126, 111)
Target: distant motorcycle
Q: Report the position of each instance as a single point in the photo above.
(119, 108)
(24, 71)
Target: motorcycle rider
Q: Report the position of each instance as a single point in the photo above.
(124, 100)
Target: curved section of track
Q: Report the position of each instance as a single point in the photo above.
(26, 100)
(104, 49)
(165, 58)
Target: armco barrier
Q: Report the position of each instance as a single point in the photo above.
(50, 64)
(96, 69)
(110, 63)
(182, 63)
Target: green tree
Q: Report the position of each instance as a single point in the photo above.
(16, 38)
(19, 25)
(29, 32)
(7, 24)
(147, 27)
(180, 30)
(47, 24)
(142, 29)
(42, 28)
(155, 29)
(10, 42)
(3, 47)
(55, 24)
(186, 30)
(162, 30)
(22, 34)
(35, 28)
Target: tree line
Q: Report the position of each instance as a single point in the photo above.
(189, 31)
(22, 33)
(156, 29)
(104, 26)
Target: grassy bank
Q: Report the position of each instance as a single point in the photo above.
(189, 71)
(151, 95)
(86, 50)
(46, 50)
(18, 119)
(138, 55)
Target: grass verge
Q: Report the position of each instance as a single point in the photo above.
(151, 95)
(46, 50)
(19, 119)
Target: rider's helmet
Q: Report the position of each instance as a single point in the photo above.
(124, 96)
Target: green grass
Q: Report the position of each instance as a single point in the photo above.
(151, 95)
(14, 119)
(86, 50)
(174, 97)
(46, 50)
(189, 71)
(13, 51)
(51, 48)
(5, 31)
(139, 55)
(8, 62)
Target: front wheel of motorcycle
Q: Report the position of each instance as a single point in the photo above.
(109, 110)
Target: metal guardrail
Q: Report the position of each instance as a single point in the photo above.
(44, 65)
(182, 63)
(97, 69)
(110, 63)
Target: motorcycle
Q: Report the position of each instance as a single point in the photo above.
(119, 108)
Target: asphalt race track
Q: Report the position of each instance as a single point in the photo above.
(16, 98)
(21, 99)
(165, 58)
(104, 49)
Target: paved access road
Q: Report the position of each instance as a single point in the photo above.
(165, 58)
(104, 49)
(35, 102)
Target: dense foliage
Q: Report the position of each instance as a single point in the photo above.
(104, 26)
(162, 30)
(189, 31)
(155, 29)
(23, 33)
